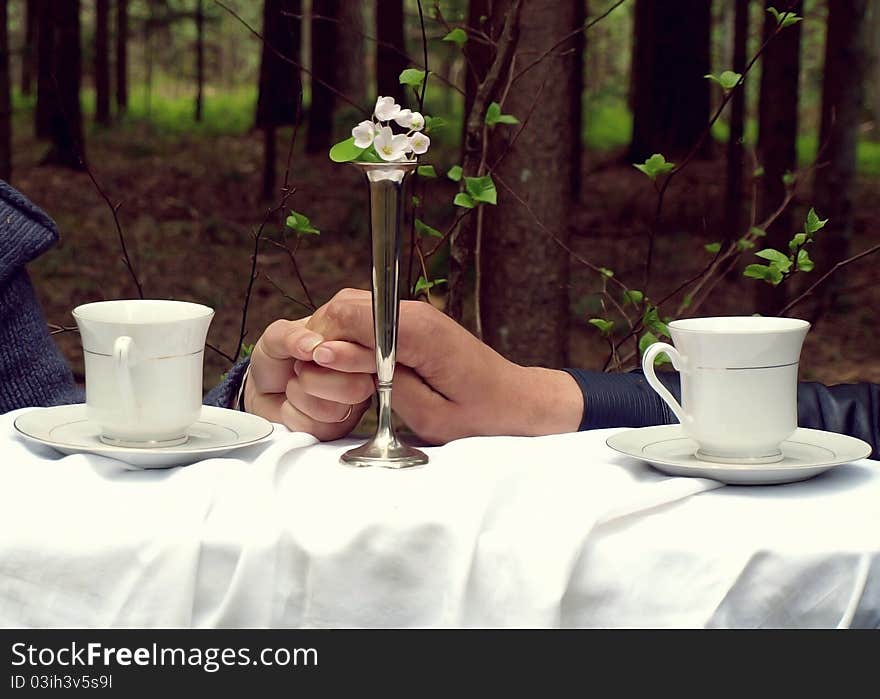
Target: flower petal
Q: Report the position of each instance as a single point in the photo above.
(363, 134)
(404, 118)
(386, 109)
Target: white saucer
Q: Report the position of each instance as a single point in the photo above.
(218, 431)
(806, 454)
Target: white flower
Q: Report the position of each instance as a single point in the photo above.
(419, 143)
(386, 109)
(404, 118)
(416, 122)
(391, 147)
(363, 134)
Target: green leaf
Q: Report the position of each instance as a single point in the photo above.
(603, 325)
(345, 151)
(247, 349)
(633, 296)
(804, 263)
(301, 224)
(432, 123)
(728, 79)
(654, 166)
(464, 200)
(648, 339)
(758, 171)
(457, 36)
(788, 178)
(760, 232)
(780, 259)
(784, 19)
(426, 171)
(756, 271)
(651, 320)
(714, 248)
(423, 228)
(687, 300)
(494, 116)
(412, 77)
(606, 272)
(768, 273)
(423, 284)
(454, 173)
(416, 201)
(481, 189)
(798, 240)
(813, 222)
(744, 244)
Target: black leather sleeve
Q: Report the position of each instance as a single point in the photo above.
(626, 400)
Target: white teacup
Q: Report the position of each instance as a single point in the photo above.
(144, 362)
(738, 384)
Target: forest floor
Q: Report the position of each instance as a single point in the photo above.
(190, 204)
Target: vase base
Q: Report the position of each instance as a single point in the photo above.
(393, 455)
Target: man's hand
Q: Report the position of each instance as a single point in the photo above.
(447, 383)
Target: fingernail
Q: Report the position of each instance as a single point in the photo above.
(297, 366)
(323, 355)
(309, 342)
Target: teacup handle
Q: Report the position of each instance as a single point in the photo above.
(123, 359)
(648, 369)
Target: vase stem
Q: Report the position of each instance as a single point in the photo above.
(386, 183)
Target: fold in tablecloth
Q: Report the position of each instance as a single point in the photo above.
(495, 531)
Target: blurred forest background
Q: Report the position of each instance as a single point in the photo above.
(184, 112)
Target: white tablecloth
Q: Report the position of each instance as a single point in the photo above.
(551, 531)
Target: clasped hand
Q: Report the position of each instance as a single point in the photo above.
(317, 375)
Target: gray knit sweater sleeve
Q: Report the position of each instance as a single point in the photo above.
(32, 370)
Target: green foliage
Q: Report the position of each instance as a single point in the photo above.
(494, 116)
(654, 166)
(781, 260)
(784, 19)
(416, 201)
(788, 178)
(454, 173)
(423, 284)
(434, 123)
(714, 248)
(633, 296)
(464, 200)
(457, 36)
(604, 326)
(247, 349)
(481, 189)
(645, 341)
(424, 229)
(651, 320)
(426, 171)
(781, 266)
(301, 224)
(345, 151)
(606, 272)
(744, 244)
(412, 77)
(760, 232)
(728, 79)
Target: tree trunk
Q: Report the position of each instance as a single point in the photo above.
(45, 53)
(390, 49)
(324, 50)
(200, 57)
(478, 55)
(842, 93)
(27, 51)
(671, 98)
(734, 180)
(5, 103)
(102, 62)
(351, 75)
(66, 121)
(524, 288)
(280, 85)
(579, 47)
(121, 56)
(777, 140)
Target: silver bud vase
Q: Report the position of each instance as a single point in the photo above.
(386, 184)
